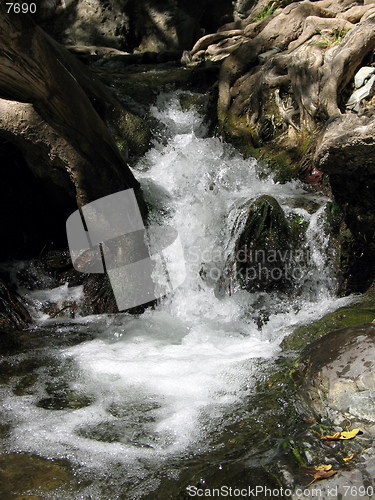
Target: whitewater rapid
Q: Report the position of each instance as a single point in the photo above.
(158, 384)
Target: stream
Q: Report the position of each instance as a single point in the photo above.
(130, 402)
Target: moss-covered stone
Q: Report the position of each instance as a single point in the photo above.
(269, 247)
(132, 133)
(283, 164)
(21, 473)
(361, 311)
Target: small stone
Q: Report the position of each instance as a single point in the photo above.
(362, 76)
(363, 92)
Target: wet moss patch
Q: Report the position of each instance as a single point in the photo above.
(361, 311)
(27, 474)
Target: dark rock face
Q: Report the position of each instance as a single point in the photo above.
(338, 375)
(13, 314)
(347, 153)
(261, 245)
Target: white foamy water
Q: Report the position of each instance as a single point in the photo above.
(159, 383)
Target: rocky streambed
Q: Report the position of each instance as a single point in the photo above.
(258, 370)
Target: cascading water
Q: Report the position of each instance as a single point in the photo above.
(147, 389)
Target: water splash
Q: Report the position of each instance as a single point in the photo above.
(156, 384)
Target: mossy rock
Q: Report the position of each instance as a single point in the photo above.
(266, 219)
(192, 100)
(361, 311)
(132, 133)
(244, 137)
(22, 472)
(265, 249)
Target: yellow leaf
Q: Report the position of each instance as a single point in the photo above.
(323, 467)
(349, 457)
(349, 434)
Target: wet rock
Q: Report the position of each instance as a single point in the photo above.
(22, 472)
(144, 83)
(338, 376)
(260, 248)
(13, 314)
(361, 310)
(337, 379)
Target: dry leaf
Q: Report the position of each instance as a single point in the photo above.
(323, 467)
(334, 437)
(349, 434)
(322, 474)
(349, 457)
(341, 435)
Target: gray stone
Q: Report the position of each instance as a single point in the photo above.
(354, 484)
(338, 375)
(362, 76)
(366, 91)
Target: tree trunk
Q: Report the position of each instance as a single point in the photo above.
(36, 70)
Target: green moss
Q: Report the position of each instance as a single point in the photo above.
(136, 134)
(189, 100)
(334, 216)
(22, 472)
(243, 135)
(362, 311)
(297, 229)
(297, 455)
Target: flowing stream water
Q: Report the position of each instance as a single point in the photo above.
(147, 390)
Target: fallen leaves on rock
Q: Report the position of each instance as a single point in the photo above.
(334, 437)
(349, 434)
(323, 467)
(341, 435)
(349, 457)
(322, 474)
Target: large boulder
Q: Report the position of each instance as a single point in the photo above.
(346, 151)
(260, 247)
(269, 253)
(338, 381)
(338, 375)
